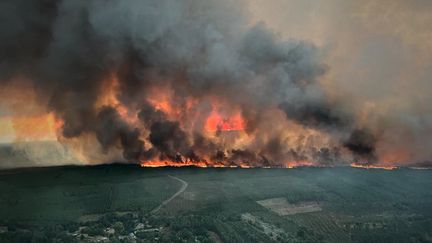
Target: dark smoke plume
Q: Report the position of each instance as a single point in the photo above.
(198, 49)
(110, 129)
(319, 115)
(168, 137)
(362, 143)
(149, 115)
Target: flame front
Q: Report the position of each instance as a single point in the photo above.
(205, 132)
(384, 167)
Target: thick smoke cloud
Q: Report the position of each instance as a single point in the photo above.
(26, 32)
(168, 137)
(379, 56)
(149, 115)
(69, 48)
(111, 129)
(318, 115)
(362, 143)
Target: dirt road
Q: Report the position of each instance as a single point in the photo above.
(182, 189)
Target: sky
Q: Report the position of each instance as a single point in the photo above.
(378, 53)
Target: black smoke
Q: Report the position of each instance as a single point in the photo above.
(362, 143)
(320, 115)
(68, 48)
(149, 115)
(168, 138)
(110, 130)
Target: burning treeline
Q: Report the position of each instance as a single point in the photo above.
(171, 82)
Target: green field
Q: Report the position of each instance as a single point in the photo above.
(82, 204)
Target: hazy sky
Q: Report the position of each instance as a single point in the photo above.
(379, 56)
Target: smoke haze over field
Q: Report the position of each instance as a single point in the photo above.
(219, 82)
(379, 55)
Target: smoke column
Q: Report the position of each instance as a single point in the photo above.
(178, 82)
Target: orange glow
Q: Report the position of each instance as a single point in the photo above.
(295, 164)
(35, 128)
(288, 165)
(389, 167)
(28, 120)
(200, 164)
(395, 156)
(210, 164)
(167, 163)
(163, 106)
(160, 99)
(216, 122)
(108, 97)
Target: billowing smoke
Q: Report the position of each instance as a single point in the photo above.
(187, 81)
(111, 129)
(362, 143)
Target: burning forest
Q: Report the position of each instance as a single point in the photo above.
(175, 83)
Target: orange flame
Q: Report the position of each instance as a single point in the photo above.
(384, 167)
(199, 164)
(109, 95)
(216, 122)
(167, 163)
(296, 164)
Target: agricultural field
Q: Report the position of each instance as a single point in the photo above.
(126, 203)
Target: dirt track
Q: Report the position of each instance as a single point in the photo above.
(182, 189)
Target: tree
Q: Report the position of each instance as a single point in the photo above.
(119, 227)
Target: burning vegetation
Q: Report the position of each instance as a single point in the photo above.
(175, 83)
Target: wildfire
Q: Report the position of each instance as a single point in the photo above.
(192, 115)
(109, 97)
(384, 167)
(216, 122)
(289, 165)
(167, 163)
(199, 164)
(296, 164)
(161, 98)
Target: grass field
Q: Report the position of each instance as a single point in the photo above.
(218, 205)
